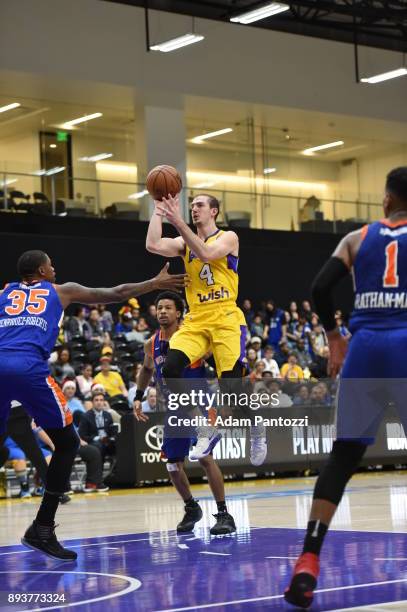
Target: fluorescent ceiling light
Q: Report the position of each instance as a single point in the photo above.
(3, 109)
(73, 122)
(269, 170)
(138, 195)
(49, 172)
(329, 145)
(269, 10)
(247, 181)
(52, 146)
(200, 139)
(7, 182)
(96, 158)
(177, 43)
(385, 76)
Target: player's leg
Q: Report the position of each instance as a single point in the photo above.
(46, 403)
(19, 464)
(224, 521)
(175, 450)
(358, 417)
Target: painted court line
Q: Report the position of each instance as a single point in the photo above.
(208, 552)
(391, 559)
(270, 597)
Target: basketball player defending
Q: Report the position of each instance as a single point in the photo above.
(214, 323)
(375, 363)
(169, 312)
(30, 313)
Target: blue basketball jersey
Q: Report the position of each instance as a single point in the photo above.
(160, 350)
(380, 276)
(30, 315)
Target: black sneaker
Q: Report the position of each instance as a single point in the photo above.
(64, 499)
(49, 544)
(224, 524)
(192, 515)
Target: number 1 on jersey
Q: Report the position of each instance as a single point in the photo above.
(207, 274)
(390, 276)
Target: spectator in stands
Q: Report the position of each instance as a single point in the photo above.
(251, 358)
(150, 403)
(78, 325)
(306, 310)
(92, 457)
(284, 400)
(97, 428)
(140, 333)
(106, 318)
(96, 327)
(320, 396)
(269, 362)
(111, 381)
(319, 339)
(255, 344)
(343, 330)
(126, 323)
(151, 317)
(319, 366)
(85, 381)
(61, 368)
(281, 355)
(291, 371)
(248, 312)
(257, 372)
(74, 403)
(294, 330)
(293, 311)
(303, 356)
(301, 398)
(257, 327)
(276, 327)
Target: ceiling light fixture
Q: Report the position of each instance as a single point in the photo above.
(3, 109)
(385, 76)
(177, 43)
(268, 10)
(49, 172)
(200, 139)
(52, 146)
(329, 145)
(96, 158)
(8, 182)
(74, 122)
(138, 195)
(269, 170)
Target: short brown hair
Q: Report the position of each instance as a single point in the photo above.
(213, 202)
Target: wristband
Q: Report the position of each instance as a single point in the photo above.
(139, 395)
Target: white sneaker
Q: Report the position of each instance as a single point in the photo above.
(258, 444)
(208, 437)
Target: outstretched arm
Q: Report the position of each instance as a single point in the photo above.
(227, 243)
(74, 293)
(155, 243)
(143, 380)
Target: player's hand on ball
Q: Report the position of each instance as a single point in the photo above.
(338, 347)
(138, 412)
(169, 208)
(173, 282)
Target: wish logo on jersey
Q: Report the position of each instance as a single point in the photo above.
(221, 294)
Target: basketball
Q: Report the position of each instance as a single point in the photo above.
(163, 180)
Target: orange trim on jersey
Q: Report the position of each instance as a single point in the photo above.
(364, 232)
(394, 223)
(5, 286)
(60, 400)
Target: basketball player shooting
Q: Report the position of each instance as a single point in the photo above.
(375, 368)
(214, 323)
(31, 311)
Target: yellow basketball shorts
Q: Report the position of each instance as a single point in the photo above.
(220, 330)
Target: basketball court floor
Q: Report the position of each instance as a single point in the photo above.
(130, 557)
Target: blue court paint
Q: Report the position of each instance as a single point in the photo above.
(152, 572)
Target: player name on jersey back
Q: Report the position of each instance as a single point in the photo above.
(380, 299)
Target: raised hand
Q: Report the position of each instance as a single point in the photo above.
(169, 208)
(173, 282)
(138, 412)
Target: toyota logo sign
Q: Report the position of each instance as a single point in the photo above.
(154, 437)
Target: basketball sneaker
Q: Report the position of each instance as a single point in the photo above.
(208, 437)
(43, 538)
(258, 444)
(302, 586)
(224, 524)
(192, 515)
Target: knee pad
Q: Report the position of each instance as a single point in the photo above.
(343, 462)
(174, 365)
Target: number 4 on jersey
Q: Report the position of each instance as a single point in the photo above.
(390, 276)
(206, 274)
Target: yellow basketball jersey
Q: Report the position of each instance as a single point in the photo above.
(213, 282)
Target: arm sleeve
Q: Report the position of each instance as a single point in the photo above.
(329, 276)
